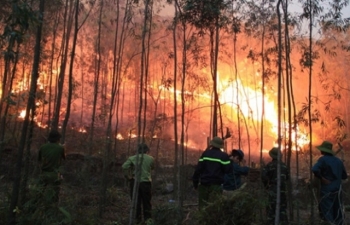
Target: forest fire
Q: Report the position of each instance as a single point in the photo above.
(249, 103)
(132, 135)
(22, 114)
(42, 125)
(119, 136)
(82, 130)
(297, 136)
(234, 96)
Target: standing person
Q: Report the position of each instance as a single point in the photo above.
(144, 196)
(209, 173)
(232, 180)
(331, 171)
(50, 157)
(269, 178)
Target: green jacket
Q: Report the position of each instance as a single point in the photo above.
(129, 167)
(50, 156)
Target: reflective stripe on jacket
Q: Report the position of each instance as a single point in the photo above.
(211, 167)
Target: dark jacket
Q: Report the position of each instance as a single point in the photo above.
(211, 167)
(269, 176)
(233, 179)
(332, 169)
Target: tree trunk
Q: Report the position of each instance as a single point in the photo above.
(279, 96)
(237, 92)
(30, 105)
(65, 46)
(310, 3)
(292, 125)
(176, 138)
(54, 36)
(96, 80)
(70, 75)
(142, 110)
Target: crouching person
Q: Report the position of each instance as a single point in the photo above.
(145, 164)
(233, 180)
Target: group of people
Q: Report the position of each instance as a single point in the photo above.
(216, 172)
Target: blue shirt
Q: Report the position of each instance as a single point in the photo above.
(232, 180)
(332, 169)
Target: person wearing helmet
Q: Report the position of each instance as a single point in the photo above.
(330, 171)
(269, 179)
(145, 164)
(209, 173)
(233, 180)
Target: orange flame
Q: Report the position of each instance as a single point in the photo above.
(82, 130)
(119, 136)
(132, 135)
(250, 101)
(22, 114)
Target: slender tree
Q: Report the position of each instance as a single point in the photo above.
(279, 103)
(70, 73)
(68, 13)
(98, 59)
(207, 16)
(176, 135)
(29, 111)
(18, 24)
(142, 111)
(51, 63)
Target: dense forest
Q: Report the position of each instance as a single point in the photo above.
(109, 74)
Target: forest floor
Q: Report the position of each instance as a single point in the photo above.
(80, 195)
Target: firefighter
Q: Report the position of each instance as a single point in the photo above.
(209, 173)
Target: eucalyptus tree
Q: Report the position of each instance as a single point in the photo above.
(334, 76)
(146, 31)
(181, 22)
(290, 22)
(208, 15)
(30, 110)
(176, 172)
(96, 89)
(77, 8)
(70, 75)
(56, 19)
(97, 72)
(235, 29)
(312, 12)
(279, 105)
(18, 23)
(67, 28)
(122, 61)
(122, 26)
(261, 25)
